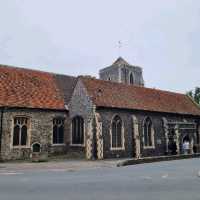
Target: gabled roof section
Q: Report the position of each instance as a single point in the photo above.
(27, 88)
(66, 85)
(120, 61)
(118, 95)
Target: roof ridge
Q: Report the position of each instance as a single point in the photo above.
(136, 86)
(34, 70)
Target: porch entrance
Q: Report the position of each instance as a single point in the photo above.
(190, 140)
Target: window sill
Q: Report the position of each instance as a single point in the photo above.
(77, 145)
(55, 145)
(21, 147)
(117, 149)
(149, 147)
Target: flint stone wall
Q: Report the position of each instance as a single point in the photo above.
(40, 131)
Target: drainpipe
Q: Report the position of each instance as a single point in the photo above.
(1, 128)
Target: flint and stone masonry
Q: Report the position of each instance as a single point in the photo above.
(120, 117)
(40, 130)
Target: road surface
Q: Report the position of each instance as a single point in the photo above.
(176, 180)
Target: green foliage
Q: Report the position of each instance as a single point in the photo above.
(195, 95)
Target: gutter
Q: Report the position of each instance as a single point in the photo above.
(150, 111)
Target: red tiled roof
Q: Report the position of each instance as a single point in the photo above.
(117, 95)
(29, 88)
(35, 89)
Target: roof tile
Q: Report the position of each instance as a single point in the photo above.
(30, 88)
(118, 95)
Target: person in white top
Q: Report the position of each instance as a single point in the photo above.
(186, 147)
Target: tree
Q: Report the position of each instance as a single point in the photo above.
(195, 95)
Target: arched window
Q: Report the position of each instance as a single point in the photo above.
(131, 80)
(148, 133)
(58, 131)
(20, 131)
(24, 135)
(16, 136)
(78, 130)
(116, 134)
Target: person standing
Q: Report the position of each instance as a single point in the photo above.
(174, 148)
(187, 146)
(184, 147)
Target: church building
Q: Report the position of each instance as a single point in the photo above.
(114, 116)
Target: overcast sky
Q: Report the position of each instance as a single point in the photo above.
(81, 36)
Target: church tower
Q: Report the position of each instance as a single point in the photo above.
(122, 72)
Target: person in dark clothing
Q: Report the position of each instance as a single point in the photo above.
(195, 148)
(174, 148)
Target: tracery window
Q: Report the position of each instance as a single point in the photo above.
(148, 133)
(20, 131)
(131, 80)
(58, 131)
(117, 132)
(78, 130)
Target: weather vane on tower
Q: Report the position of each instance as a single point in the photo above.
(119, 47)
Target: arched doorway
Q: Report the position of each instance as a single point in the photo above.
(189, 139)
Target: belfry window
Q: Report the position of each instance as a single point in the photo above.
(78, 130)
(20, 131)
(148, 133)
(58, 131)
(131, 80)
(117, 133)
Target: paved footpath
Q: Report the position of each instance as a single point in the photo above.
(57, 165)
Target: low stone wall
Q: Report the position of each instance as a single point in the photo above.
(156, 159)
